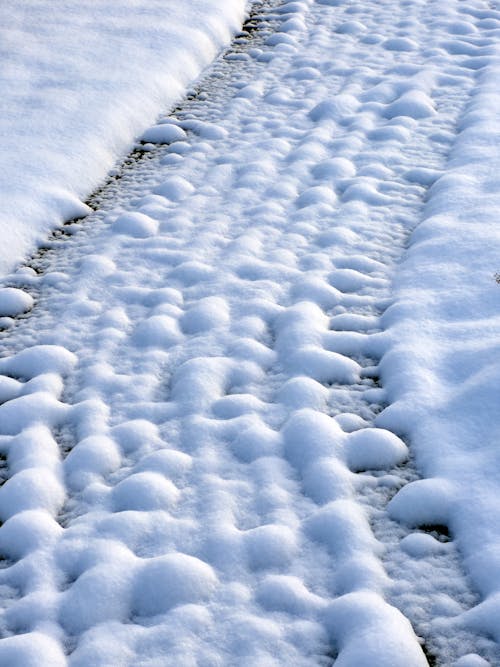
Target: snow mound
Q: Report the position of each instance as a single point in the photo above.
(31, 650)
(175, 188)
(37, 360)
(165, 133)
(14, 302)
(144, 491)
(424, 502)
(374, 449)
(135, 224)
(171, 580)
(358, 620)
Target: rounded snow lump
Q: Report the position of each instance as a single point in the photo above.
(337, 167)
(134, 434)
(26, 531)
(14, 302)
(400, 44)
(168, 462)
(144, 491)
(192, 272)
(421, 545)
(32, 649)
(351, 28)
(175, 188)
(342, 526)
(135, 224)
(157, 331)
(303, 392)
(471, 660)
(208, 313)
(318, 194)
(309, 435)
(357, 622)
(255, 441)
(327, 479)
(270, 546)
(323, 365)
(425, 501)
(95, 455)
(38, 360)
(374, 449)
(414, 103)
(288, 594)
(164, 133)
(336, 108)
(30, 490)
(99, 594)
(171, 580)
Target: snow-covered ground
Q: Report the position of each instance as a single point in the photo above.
(248, 406)
(78, 81)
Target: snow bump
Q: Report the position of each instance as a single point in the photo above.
(135, 224)
(45, 492)
(270, 546)
(423, 502)
(144, 491)
(374, 449)
(38, 359)
(175, 188)
(167, 581)
(164, 133)
(309, 435)
(357, 622)
(14, 302)
(32, 649)
(157, 331)
(28, 531)
(287, 594)
(208, 313)
(414, 104)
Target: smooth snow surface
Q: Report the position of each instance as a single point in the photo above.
(79, 80)
(247, 409)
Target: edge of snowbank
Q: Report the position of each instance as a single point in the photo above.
(443, 367)
(78, 84)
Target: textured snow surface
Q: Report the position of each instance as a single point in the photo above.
(247, 409)
(79, 80)
(443, 378)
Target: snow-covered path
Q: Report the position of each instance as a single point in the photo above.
(194, 473)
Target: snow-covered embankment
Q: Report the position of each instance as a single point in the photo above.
(78, 82)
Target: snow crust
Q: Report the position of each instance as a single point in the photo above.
(80, 81)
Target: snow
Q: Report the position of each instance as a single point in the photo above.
(441, 378)
(372, 449)
(135, 224)
(248, 409)
(165, 133)
(170, 581)
(14, 302)
(359, 614)
(79, 82)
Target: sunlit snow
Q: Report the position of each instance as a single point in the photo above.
(248, 406)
